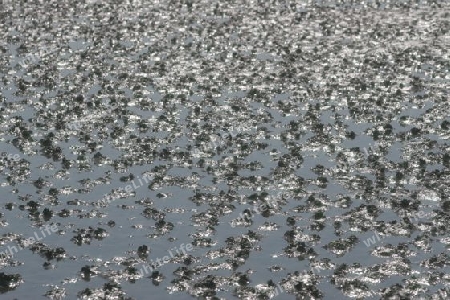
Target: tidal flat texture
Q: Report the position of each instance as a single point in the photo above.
(197, 149)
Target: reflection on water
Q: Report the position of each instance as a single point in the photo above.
(246, 150)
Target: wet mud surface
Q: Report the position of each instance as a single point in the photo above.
(220, 150)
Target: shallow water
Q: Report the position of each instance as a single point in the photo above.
(300, 149)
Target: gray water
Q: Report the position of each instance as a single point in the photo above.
(220, 150)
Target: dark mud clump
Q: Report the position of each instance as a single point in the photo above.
(9, 282)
